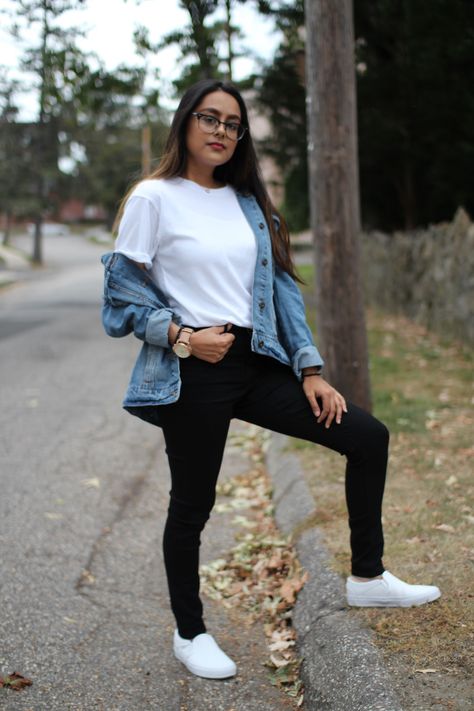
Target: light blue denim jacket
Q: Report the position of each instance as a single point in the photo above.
(134, 303)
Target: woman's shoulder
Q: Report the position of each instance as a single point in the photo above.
(150, 188)
(155, 188)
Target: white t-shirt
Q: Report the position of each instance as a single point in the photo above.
(198, 245)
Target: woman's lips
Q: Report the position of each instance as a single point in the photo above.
(217, 146)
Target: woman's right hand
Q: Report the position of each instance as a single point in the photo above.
(211, 344)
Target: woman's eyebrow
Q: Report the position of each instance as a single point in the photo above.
(218, 113)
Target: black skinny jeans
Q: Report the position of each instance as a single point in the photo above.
(260, 390)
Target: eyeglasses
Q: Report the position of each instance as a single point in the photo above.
(210, 124)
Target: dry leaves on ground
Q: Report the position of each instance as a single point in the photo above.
(261, 574)
(14, 681)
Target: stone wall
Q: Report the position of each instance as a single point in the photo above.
(427, 275)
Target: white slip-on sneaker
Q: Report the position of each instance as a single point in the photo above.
(203, 656)
(389, 591)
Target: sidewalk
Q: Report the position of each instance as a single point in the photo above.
(13, 266)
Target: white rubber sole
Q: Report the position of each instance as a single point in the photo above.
(363, 602)
(207, 673)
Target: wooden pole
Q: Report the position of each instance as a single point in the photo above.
(146, 150)
(334, 196)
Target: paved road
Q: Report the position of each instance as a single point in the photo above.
(83, 601)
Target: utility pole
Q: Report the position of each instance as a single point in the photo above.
(334, 196)
(146, 150)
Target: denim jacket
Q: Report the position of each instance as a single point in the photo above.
(134, 303)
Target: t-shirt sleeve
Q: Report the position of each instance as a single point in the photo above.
(137, 235)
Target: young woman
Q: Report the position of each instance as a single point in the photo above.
(202, 274)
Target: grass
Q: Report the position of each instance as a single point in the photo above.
(422, 389)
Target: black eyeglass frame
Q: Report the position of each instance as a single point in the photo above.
(226, 124)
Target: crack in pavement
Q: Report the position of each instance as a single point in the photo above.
(133, 490)
(90, 634)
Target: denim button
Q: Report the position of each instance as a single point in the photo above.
(261, 305)
(261, 344)
(261, 225)
(264, 262)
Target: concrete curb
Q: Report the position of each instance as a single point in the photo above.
(342, 669)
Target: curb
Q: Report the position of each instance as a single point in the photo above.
(342, 668)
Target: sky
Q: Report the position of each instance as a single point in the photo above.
(109, 26)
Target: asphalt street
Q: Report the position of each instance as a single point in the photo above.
(84, 609)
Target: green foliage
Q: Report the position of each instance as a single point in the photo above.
(207, 45)
(416, 107)
(56, 66)
(113, 108)
(196, 42)
(415, 63)
(281, 95)
(14, 166)
(89, 121)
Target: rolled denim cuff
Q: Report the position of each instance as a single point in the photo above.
(306, 358)
(157, 328)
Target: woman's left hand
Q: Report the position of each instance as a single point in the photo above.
(333, 404)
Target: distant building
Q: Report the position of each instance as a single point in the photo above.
(75, 210)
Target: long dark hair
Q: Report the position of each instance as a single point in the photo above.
(242, 171)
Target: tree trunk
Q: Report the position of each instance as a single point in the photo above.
(334, 196)
(228, 34)
(7, 227)
(37, 256)
(146, 150)
(38, 240)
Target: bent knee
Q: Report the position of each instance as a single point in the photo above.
(370, 434)
(381, 431)
(192, 513)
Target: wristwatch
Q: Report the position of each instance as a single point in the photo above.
(182, 347)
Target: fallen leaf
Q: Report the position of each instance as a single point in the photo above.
(445, 527)
(275, 562)
(14, 681)
(53, 516)
(426, 671)
(93, 483)
(279, 635)
(289, 589)
(87, 578)
(281, 645)
(278, 661)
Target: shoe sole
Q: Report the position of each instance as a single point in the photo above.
(354, 602)
(199, 671)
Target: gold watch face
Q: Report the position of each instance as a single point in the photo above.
(182, 350)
